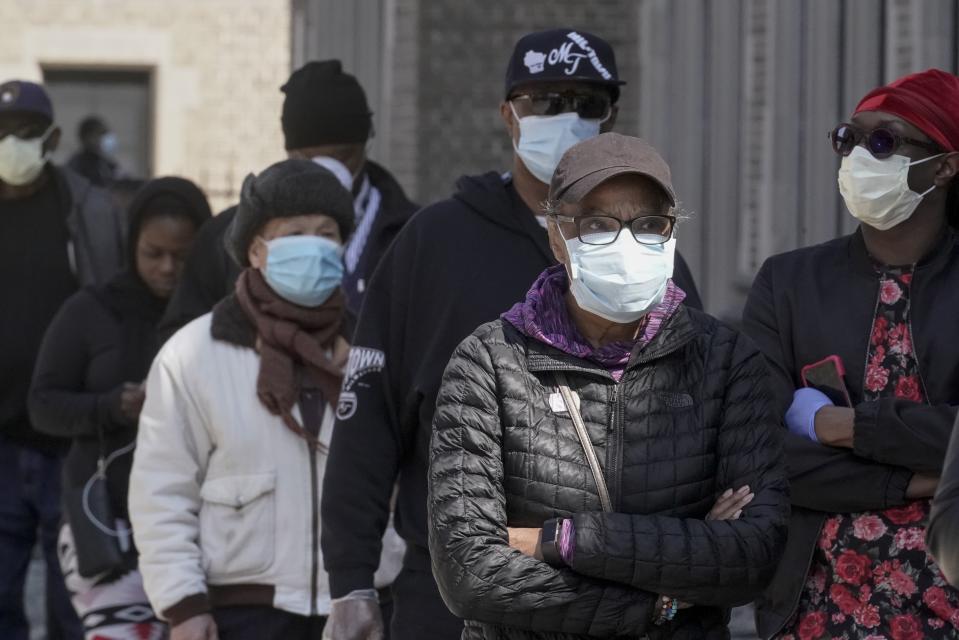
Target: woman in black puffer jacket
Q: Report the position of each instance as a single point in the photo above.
(676, 409)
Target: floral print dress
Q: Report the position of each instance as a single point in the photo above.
(871, 577)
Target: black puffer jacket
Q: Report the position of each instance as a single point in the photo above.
(691, 416)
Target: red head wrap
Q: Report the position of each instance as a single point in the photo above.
(927, 100)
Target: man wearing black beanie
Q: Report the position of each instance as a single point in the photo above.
(326, 119)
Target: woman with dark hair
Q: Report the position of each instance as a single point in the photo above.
(868, 322)
(88, 387)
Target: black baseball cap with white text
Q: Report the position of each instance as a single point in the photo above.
(562, 55)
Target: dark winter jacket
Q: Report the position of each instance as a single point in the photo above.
(820, 301)
(457, 264)
(102, 338)
(942, 535)
(691, 417)
(210, 274)
(93, 248)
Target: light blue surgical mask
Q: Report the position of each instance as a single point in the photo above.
(109, 143)
(305, 270)
(544, 139)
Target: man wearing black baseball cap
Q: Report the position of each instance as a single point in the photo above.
(326, 119)
(57, 233)
(459, 263)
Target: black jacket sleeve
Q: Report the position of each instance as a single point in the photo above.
(942, 534)
(479, 575)
(903, 433)
(719, 562)
(208, 276)
(683, 278)
(366, 445)
(821, 478)
(59, 406)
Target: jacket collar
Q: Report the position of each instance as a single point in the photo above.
(395, 207)
(934, 260)
(672, 336)
(230, 324)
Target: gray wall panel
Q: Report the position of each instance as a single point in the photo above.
(820, 96)
(738, 95)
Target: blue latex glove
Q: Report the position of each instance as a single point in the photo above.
(801, 416)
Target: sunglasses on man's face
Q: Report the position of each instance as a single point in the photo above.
(881, 142)
(24, 131)
(589, 106)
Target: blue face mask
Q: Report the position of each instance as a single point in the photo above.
(305, 270)
(544, 139)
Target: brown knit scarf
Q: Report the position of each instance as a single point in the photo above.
(288, 335)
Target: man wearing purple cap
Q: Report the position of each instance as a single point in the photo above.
(57, 233)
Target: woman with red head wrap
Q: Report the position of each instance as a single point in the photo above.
(880, 305)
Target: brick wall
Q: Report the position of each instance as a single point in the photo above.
(462, 53)
(217, 67)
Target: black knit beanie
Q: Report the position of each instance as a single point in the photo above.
(323, 105)
(284, 190)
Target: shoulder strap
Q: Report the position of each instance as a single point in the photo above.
(577, 418)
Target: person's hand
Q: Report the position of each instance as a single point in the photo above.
(200, 627)
(922, 486)
(132, 396)
(730, 505)
(525, 540)
(801, 415)
(355, 616)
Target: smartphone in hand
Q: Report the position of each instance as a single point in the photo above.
(827, 376)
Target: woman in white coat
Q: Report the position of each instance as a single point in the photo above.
(225, 489)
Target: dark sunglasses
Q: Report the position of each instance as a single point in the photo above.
(589, 106)
(880, 142)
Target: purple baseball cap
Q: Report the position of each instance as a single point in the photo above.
(20, 96)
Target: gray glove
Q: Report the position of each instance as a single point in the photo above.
(355, 616)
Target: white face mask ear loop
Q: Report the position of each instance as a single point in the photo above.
(517, 119)
(933, 187)
(571, 270)
(45, 154)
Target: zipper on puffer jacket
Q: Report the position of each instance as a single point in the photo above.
(615, 455)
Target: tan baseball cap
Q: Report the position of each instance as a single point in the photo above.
(595, 160)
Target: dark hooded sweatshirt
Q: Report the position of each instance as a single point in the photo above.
(458, 264)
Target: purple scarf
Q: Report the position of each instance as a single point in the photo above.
(543, 316)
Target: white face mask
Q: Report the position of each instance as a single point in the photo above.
(337, 168)
(21, 161)
(621, 281)
(544, 139)
(877, 191)
(109, 143)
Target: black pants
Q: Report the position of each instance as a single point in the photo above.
(267, 623)
(418, 610)
(30, 511)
